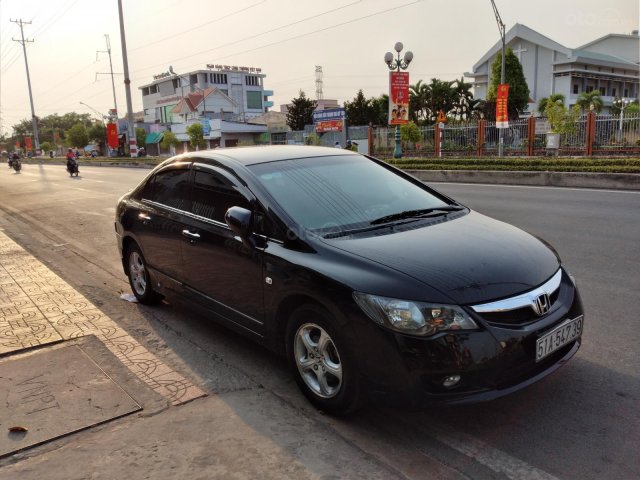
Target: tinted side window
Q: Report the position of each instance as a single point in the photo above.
(170, 188)
(213, 194)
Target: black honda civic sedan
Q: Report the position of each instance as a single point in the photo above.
(372, 284)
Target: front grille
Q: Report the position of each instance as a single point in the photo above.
(521, 309)
(519, 316)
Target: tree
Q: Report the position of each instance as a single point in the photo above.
(359, 111)
(561, 119)
(454, 98)
(410, 132)
(300, 112)
(141, 137)
(554, 97)
(50, 125)
(380, 110)
(418, 97)
(97, 133)
(514, 76)
(590, 101)
(196, 138)
(77, 136)
(46, 146)
(169, 140)
(465, 106)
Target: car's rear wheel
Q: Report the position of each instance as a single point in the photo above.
(139, 277)
(320, 360)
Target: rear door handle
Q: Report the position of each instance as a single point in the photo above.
(191, 235)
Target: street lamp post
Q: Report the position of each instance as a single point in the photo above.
(398, 64)
(622, 103)
(100, 115)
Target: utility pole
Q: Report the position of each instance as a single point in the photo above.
(133, 148)
(113, 84)
(26, 63)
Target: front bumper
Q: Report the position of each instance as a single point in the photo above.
(494, 361)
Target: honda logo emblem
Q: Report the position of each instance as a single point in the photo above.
(541, 304)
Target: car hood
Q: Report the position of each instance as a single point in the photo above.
(470, 259)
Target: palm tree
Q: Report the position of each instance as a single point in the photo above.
(418, 95)
(554, 97)
(465, 106)
(590, 101)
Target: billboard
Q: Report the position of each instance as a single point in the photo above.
(330, 120)
(398, 98)
(112, 135)
(502, 110)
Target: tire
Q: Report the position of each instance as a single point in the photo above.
(139, 277)
(321, 361)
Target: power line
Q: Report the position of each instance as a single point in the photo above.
(290, 38)
(190, 30)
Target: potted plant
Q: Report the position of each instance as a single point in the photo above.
(562, 121)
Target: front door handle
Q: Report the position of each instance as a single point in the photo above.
(191, 235)
(144, 217)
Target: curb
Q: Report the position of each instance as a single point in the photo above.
(615, 181)
(91, 164)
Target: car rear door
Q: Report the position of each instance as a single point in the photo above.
(220, 270)
(158, 222)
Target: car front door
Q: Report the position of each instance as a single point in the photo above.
(220, 269)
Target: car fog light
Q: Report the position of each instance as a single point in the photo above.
(451, 381)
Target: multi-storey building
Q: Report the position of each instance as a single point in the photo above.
(609, 64)
(223, 98)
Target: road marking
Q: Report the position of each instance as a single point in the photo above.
(597, 190)
(495, 459)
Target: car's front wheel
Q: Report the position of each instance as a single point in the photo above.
(321, 362)
(139, 277)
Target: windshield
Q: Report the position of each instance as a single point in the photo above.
(329, 194)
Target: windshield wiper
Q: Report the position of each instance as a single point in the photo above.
(425, 212)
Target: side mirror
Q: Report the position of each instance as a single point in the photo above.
(239, 221)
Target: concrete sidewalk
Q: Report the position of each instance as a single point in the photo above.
(141, 425)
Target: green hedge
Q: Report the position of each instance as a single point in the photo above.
(608, 165)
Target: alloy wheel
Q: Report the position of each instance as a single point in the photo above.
(318, 360)
(137, 273)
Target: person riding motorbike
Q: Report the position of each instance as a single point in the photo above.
(72, 162)
(12, 157)
(15, 162)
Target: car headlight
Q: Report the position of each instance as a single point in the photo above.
(416, 318)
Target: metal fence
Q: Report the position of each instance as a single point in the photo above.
(616, 136)
(609, 136)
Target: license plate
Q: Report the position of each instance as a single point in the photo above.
(558, 337)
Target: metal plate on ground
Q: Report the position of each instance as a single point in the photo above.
(53, 393)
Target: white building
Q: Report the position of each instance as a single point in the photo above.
(225, 97)
(610, 64)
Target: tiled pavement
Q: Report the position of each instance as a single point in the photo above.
(37, 307)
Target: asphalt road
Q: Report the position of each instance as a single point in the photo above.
(582, 422)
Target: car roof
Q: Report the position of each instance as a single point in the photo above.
(269, 153)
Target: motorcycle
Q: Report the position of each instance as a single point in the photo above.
(16, 164)
(72, 167)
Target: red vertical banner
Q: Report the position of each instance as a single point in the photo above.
(28, 145)
(112, 135)
(17, 144)
(56, 138)
(502, 103)
(398, 98)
